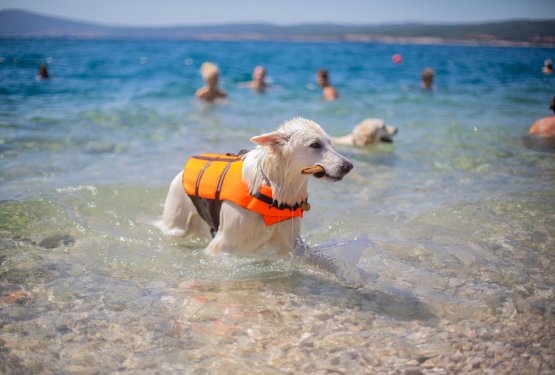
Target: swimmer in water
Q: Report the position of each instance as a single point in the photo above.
(427, 79)
(547, 67)
(545, 126)
(211, 92)
(43, 72)
(541, 135)
(328, 91)
(258, 82)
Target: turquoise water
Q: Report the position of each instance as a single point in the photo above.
(456, 216)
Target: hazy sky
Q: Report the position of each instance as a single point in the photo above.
(186, 12)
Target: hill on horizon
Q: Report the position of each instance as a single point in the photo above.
(23, 24)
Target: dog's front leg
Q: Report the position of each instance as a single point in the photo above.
(240, 231)
(300, 248)
(288, 234)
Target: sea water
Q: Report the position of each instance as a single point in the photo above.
(453, 222)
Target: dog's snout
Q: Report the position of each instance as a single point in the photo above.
(346, 167)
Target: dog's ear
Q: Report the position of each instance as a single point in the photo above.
(269, 139)
(364, 139)
(363, 135)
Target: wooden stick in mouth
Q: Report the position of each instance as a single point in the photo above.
(313, 170)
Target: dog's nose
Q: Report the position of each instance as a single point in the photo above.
(346, 167)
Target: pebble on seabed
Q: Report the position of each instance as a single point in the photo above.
(229, 325)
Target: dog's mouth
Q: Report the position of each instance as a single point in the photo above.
(330, 177)
(320, 174)
(319, 171)
(390, 132)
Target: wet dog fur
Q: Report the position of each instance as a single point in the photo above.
(277, 160)
(367, 132)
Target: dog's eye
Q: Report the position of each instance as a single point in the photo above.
(316, 145)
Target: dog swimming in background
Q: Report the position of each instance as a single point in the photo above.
(367, 132)
(253, 202)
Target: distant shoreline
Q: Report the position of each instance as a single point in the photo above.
(300, 39)
(511, 33)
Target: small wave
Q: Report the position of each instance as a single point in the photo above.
(71, 189)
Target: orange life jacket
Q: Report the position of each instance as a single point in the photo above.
(209, 179)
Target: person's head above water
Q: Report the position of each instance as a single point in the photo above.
(329, 92)
(258, 78)
(211, 91)
(43, 72)
(427, 78)
(547, 66)
(209, 72)
(258, 74)
(322, 77)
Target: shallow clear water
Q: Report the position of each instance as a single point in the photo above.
(454, 220)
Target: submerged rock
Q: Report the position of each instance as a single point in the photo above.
(57, 240)
(16, 295)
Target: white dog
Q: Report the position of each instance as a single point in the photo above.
(368, 131)
(254, 201)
